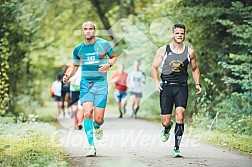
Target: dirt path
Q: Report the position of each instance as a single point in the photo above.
(127, 143)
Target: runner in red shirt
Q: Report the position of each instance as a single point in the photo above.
(120, 78)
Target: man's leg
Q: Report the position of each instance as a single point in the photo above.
(100, 102)
(98, 121)
(166, 105)
(133, 100)
(63, 102)
(59, 110)
(120, 109)
(179, 128)
(180, 104)
(80, 117)
(137, 105)
(88, 127)
(167, 124)
(68, 101)
(118, 101)
(74, 112)
(123, 104)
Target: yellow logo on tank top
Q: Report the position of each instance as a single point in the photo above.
(176, 64)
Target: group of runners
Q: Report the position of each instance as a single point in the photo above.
(133, 82)
(94, 56)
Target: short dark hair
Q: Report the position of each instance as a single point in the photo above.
(178, 26)
(60, 76)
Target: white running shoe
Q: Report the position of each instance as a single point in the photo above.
(91, 152)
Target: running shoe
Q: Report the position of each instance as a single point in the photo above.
(165, 135)
(176, 152)
(98, 133)
(91, 152)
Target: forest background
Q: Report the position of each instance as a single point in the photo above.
(36, 39)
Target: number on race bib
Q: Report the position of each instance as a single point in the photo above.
(91, 58)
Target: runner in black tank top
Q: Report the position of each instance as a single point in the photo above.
(174, 60)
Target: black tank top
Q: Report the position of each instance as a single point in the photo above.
(174, 66)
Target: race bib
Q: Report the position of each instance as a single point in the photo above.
(91, 58)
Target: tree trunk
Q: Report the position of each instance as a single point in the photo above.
(103, 18)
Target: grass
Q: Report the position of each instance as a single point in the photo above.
(229, 140)
(28, 144)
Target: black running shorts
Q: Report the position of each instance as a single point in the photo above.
(173, 94)
(74, 96)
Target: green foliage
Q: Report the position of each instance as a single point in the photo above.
(4, 79)
(25, 144)
(235, 114)
(239, 70)
(18, 26)
(33, 47)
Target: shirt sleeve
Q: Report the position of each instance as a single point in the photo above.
(76, 58)
(109, 49)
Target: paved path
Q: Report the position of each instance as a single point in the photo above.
(136, 143)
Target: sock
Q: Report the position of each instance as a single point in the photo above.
(120, 111)
(179, 130)
(89, 130)
(96, 125)
(168, 128)
(136, 110)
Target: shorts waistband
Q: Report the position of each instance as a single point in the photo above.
(174, 83)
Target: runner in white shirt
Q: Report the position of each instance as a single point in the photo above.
(135, 81)
(56, 88)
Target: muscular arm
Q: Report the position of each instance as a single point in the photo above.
(195, 70)
(155, 64)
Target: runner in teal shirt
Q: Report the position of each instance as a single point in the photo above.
(95, 56)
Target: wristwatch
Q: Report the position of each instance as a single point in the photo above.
(110, 64)
(198, 84)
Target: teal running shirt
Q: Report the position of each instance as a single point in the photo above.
(91, 56)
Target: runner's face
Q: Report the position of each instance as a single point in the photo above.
(89, 31)
(179, 35)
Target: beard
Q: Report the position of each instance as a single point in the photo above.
(89, 37)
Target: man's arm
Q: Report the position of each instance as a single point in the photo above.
(128, 80)
(155, 64)
(111, 61)
(195, 70)
(143, 78)
(73, 68)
